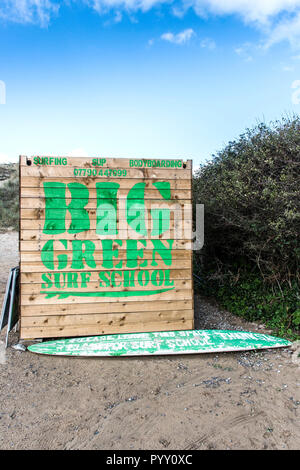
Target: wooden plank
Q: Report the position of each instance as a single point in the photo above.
(106, 319)
(71, 265)
(178, 294)
(65, 331)
(39, 213)
(36, 278)
(125, 183)
(40, 242)
(35, 256)
(103, 163)
(141, 173)
(32, 245)
(122, 193)
(27, 224)
(39, 267)
(122, 237)
(39, 203)
(104, 307)
(94, 287)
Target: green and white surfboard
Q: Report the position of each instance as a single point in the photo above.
(160, 343)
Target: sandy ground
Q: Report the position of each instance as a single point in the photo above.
(244, 400)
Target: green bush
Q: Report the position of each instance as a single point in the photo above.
(250, 191)
(9, 202)
(250, 297)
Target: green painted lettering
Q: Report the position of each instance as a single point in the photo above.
(109, 253)
(168, 282)
(113, 278)
(135, 253)
(47, 281)
(105, 277)
(129, 278)
(79, 254)
(164, 253)
(143, 278)
(157, 277)
(47, 255)
(56, 208)
(72, 280)
(85, 277)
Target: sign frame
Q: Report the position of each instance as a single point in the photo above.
(92, 228)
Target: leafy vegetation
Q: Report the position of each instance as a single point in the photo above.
(9, 197)
(250, 191)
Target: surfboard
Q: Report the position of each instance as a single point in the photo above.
(159, 343)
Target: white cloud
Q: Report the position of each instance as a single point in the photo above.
(296, 94)
(178, 10)
(285, 30)
(180, 38)
(208, 43)
(260, 11)
(28, 11)
(103, 6)
(278, 20)
(288, 68)
(244, 51)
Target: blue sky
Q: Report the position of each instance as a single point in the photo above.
(146, 78)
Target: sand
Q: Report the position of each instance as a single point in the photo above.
(247, 400)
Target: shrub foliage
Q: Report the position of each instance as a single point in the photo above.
(9, 197)
(251, 192)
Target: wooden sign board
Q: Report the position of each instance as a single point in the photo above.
(105, 246)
